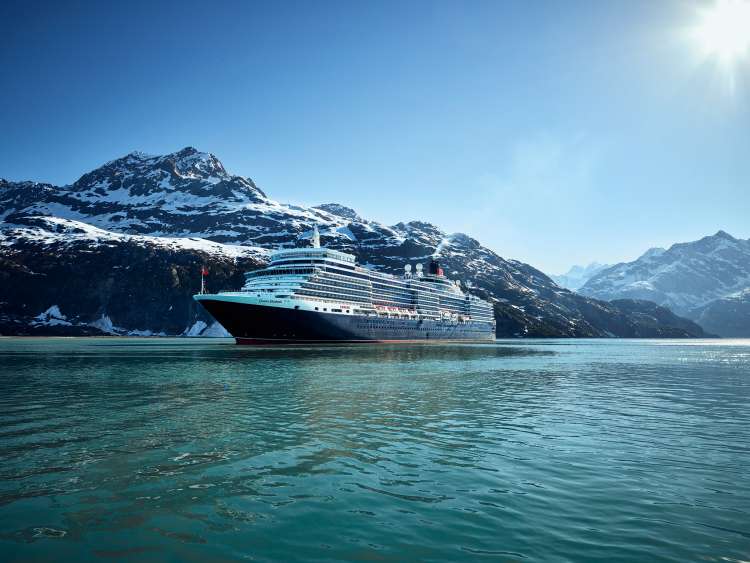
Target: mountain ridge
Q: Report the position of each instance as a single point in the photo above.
(687, 278)
(189, 194)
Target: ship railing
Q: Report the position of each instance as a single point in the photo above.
(312, 253)
(351, 304)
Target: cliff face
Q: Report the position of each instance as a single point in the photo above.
(64, 277)
(120, 251)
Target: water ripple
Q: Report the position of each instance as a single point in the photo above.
(525, 450)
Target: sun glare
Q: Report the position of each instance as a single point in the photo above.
(723, 31)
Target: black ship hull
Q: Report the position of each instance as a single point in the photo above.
(258, 324)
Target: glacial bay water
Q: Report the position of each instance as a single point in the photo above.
(526, 450)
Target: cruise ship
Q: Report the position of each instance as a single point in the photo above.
(317, 295)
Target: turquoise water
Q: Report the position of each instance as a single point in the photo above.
(193, 450)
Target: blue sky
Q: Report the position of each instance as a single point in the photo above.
(554, 132)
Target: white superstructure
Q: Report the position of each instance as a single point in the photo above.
(326, 280)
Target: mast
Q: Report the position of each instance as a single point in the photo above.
(316, 237)
(204, 273)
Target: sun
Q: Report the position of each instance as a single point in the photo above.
(723, 30)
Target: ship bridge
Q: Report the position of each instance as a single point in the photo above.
(295, 255)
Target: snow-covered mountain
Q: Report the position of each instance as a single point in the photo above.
(578, 275)
(187, 193)
(687, 278)
(122, 247)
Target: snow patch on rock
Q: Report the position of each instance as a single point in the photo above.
(51, 230)
(104, 323)
(195, 329)
(215, 330)
(202, 329)
(52, 317)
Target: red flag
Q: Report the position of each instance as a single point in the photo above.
(204, 271)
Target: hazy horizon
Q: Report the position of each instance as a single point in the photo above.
(557, 134)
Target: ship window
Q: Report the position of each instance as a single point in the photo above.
(296, 306)
(325, 309)
(316, 308)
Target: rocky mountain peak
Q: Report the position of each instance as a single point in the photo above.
(653, 252)
(420, 227)
(191, 163)
(185, 193)
(185, 164)
(184, 174)
(339, 210)
(720, 234)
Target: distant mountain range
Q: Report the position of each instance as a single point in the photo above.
(119, 251)
(707, 280)
(578, 275)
